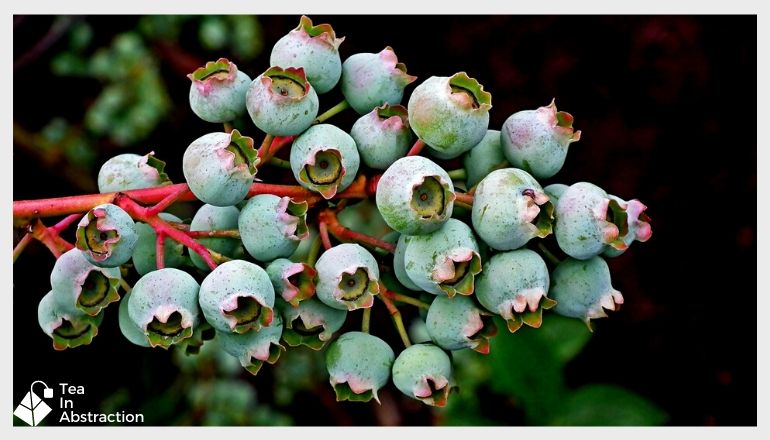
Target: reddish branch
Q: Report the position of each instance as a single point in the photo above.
(160, 251)
(328, 218)
(324, 234)
(50, 238)
(464, 198)
(270, 146)
(416, 148)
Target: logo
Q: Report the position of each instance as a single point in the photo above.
(32, 408)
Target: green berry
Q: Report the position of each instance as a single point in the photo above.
(324, 159)
(82, 287)
(359, 365)
(218, 91)
(294, 282)
(271, 227)
(144, 257)
(131, 171)
(310, 323)
(107, 236)
(67, 328)
(583, 289)
(282, 102)
(373, 79)
(423, 372)
(457, 323)
(254, 347)
(216, 218)
(348, 277)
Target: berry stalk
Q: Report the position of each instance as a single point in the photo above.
(331, 112)
(160, 252)
(365, 319)
(416, 148)
(329, 218)
(395, 315)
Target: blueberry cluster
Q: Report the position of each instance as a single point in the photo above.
(487, 239)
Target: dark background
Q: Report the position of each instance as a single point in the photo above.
(666, 106)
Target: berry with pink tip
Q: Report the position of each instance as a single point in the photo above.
(218, 91)
(373, 79)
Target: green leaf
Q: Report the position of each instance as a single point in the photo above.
(565, 337)
(607, 405)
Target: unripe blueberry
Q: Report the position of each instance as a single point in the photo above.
(450, 114)
(514, 285)
(423, 372)
(483, 158)
(372, 79)
(294, 282)
(359, 365)
(310, 323)
(272, 227)
(457, 323)
(537, 140)
(67, 328)
(348, 277)
(589, 221)
(131, 171)
(382, 136)
(444, 262)
(282, 102)
(83, 287)
(510, 208)
(220, 167)
(399, 267)
(237, 297)
(554, 192)
(216, 218)
(218, 91)
(637, 224)
(130, 330)
(254, 347)
(144, 257)
(415, 196)
(324, 159)
(106, 235)
(583, 289)
(315, 49)
(164, 305)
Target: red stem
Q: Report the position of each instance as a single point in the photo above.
(160, 251)
(416, 148)
(140, 213)
(270, 146)
(329, 218)
(464, 198)
(50, 238)
(65, 223)
(168, 201)
(324, 233)
(218, 234)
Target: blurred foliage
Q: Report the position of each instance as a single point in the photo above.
(526, 371)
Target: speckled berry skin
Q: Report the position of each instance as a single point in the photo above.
(458, 323)
(216, 218)
(483, 158)
(271, 227)
(66, 327)
(450, 114)
(515, 285)
(342, 264)
(293, 282)
(131, 171)
(359, 365)
(583, 289)
(315, 49)
(254, 348)
(164, 305)
(510, 208)
(128, 328)
(237, 297)
(421, 369)
(537, 140)
(637, 225)
(106, 235)
(144, 257)
(382, 136)
(311, 323)
(398, 263)
(582, 227)
(415, 196)
(444, 262)
(220, 167)
(82, 287)
(328, 153)
(372, 79)
(218, 91)
(282, 102)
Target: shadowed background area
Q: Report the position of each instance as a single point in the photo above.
(666, 106)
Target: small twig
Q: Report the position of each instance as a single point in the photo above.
(227, 233)
(264, 149)
(50, 238)
(365, 319)
(228, 127)
(331, 112)
(397, 321)
(167, 201)
(65, 223)
(312, 254)
(21, 245)
(464, 198)
(126, 287)
(403, 298)
(324, 233)
(329, 218)
(458, 174)
(416, 148)
(160, 251)
(551, 257)
(280, 163)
